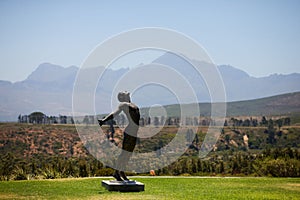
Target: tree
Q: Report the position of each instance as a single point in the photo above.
(264, 121)
(196, 139)
(142, 122)
(199, 165)
(169, 121)
(86, 120)
(37, 117)
(196, 121)
(287, 121)
(63, 119)
(279, 123)
(83, 168)
(247, 122)
(162, 120)
(149, 121)
(235, 166)
(221, 168)
(254, 122)
(156, 121)
(225, 123)
(271, 132)
(72, 120)
(91, 119)
(194, 166)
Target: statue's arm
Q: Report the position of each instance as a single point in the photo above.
(110, 116)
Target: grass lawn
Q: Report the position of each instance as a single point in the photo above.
(156, 188)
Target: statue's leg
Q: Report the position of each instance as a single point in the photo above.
(129, 143)
(122, 163)
(117, 176)
(123, 175)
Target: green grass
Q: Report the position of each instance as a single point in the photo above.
(156, 188)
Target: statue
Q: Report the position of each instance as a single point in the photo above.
(130, 133)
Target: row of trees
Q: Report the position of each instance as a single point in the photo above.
(270, 162)
(253, 122)
(51, 167)
(41, 118)
(197, 121)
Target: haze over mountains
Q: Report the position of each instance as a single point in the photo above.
(49, 88)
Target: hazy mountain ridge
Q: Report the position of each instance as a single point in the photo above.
(238, 84)
(51, 78)
(252, 88)
(49, 88)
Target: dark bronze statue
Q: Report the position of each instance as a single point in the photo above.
(130, 133)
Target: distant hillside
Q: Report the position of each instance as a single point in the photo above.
(275, 105)
(285, 104)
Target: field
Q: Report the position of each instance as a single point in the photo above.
(156, 188)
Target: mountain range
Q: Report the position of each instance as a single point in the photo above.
(49, 88)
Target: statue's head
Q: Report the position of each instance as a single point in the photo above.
(124, 96)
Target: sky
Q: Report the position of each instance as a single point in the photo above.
(259, 37)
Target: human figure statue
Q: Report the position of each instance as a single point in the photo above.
(130, 133)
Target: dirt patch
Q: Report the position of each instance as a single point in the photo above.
(291, 186)
(15, 196)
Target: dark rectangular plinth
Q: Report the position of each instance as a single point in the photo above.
(123, 186)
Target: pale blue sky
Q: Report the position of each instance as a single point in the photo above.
(259, 37)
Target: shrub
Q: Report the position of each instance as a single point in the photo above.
(105, 172)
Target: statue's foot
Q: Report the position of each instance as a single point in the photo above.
(117, 176)
(124, 176)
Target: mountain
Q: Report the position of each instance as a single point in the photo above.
(49, 88)
(50, 78)
(238, 84)
(47, 72)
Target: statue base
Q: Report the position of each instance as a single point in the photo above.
(123, 186)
